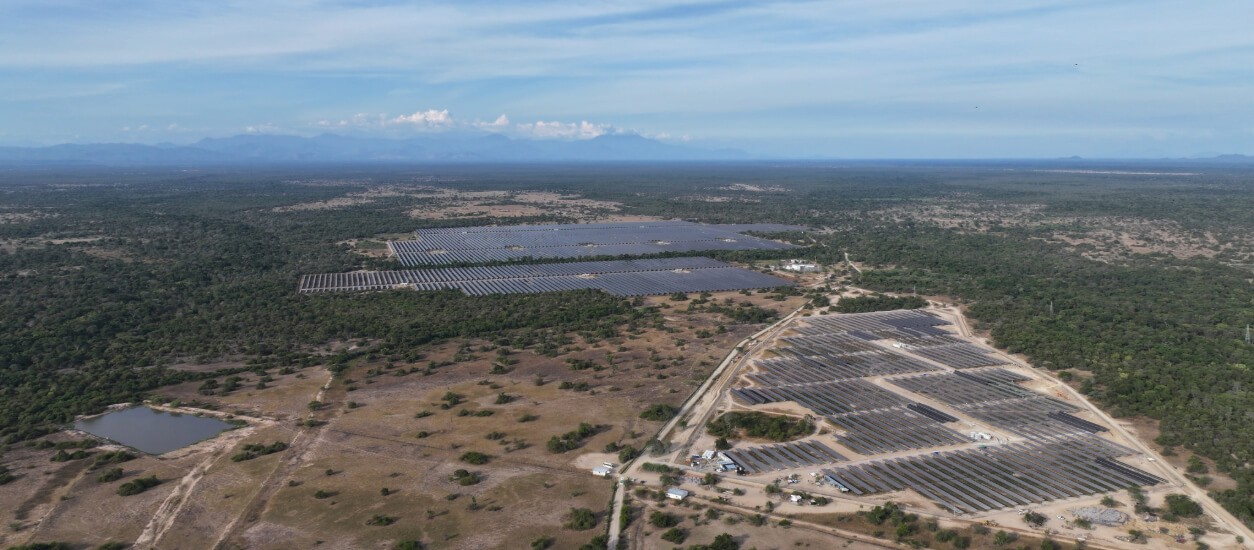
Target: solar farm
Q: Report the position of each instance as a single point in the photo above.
(914, 406)
(504, 243)
(620, 277)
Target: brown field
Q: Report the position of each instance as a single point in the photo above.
(370, 442)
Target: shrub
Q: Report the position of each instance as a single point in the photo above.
(543, 542)
(760, 425)
(675, 535)
(1183, 506)
(112, 457)
(581, 519)
(110, 475)
(659, 413)
(254, 450)
(662, 520)
(137, 486)
(476, 458)
(380, 519)
(465, 478)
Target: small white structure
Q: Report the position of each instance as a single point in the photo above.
(675, 493)
(602, 471)
(795, 498)
(800, 266)
(708, 455)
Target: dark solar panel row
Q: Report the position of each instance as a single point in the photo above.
(959, 356)
(503, 243)
(770, 458)
(376, 280)
(1005, 476)
(624, 277)
(438, 256)
(829, 398)
(1078, 422)
(953, 388)
(892, 430)
(931, 412)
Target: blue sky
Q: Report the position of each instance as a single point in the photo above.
(854, 79)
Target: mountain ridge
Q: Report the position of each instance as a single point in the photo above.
(335, 148)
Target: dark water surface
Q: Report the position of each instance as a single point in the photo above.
(151, 431)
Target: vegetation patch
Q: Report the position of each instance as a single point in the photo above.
(254, 450)
(137, 486)
(878, 302)
(760, 425)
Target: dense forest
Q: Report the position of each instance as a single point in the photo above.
(108, 277)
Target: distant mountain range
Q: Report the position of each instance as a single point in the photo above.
(331, 148)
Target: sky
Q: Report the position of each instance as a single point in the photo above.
(834, 79)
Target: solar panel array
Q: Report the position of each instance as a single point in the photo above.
(991, 395)
(1005, 476)
(824, 371)
(771, 458)
(830, 367)
(445, 246)
(620, 277)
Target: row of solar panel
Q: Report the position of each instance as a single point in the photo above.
(375, 279)
(409, 254)
(1006, 476)
(771, 458)
(626, 226)
(639, 283)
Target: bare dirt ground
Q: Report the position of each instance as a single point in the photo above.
(1102, 238)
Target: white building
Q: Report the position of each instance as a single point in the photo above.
(800, 266)
(675, 493)
(602, 471)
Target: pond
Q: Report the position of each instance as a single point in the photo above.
(152, 431)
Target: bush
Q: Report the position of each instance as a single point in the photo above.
(465, 478)
(254, 450)
(381, 520)
(1183, 506)
(110, 475)
(541, 543)
(662, 520)
(581, 519)
(112, 457)
(760, 425)
(137, 486)
(659, 413)
(475, 457)
(675, 535)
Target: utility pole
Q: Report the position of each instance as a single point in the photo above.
(1051, 308)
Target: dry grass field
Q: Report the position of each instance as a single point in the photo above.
(403, 427)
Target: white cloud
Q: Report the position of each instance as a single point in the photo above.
(424, 119)
(563, 130)
(501, 123)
